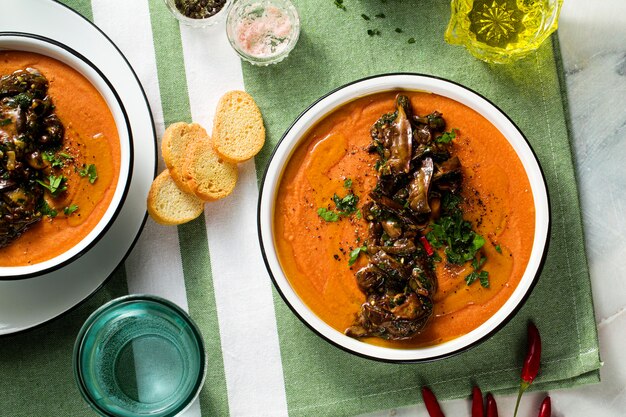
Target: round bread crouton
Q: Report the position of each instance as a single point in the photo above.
(175, 149)
(169, 205)
(209, 176)
(238, 131)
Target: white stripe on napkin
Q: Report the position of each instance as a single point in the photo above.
(154, 265)
(245, 308)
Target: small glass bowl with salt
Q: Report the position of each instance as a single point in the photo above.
(263, 32)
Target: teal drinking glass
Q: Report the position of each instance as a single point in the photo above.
(139, 356)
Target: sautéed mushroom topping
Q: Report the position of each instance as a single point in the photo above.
(29, 133)
(414, 217)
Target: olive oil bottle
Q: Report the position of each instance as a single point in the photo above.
(501, 31)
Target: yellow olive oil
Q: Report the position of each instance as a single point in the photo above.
(498, 30)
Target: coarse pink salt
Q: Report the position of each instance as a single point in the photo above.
(264, 34)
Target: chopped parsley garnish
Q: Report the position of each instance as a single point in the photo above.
(354, 254)
(347, 204)
(90, 171)
(482, 276)
(70, 209)
(5, 122)
(447, 137)
(327, 215)
(56, 161)
(461, 244)
(56, 185)
(339, 4)
(498, 249)
(46, 210)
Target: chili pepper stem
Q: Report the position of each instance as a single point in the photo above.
(522, 388)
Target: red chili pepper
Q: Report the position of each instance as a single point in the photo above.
(478, 409)
(492, 407)
(546, 408)
(430, 401)
(531, 363)
(427, 246)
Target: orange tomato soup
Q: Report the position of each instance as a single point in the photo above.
(314, 253)
(91, 137)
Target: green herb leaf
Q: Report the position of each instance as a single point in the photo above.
(71, 209)
(347, 204)
(358, 214)
(339, 4)
(90, 171)
(447, 137)
(327, 215)
(354, 254)
(56, 161)
(46, 210)
(56, 185)
(498, 249)
(482, 276)
(5, 122)
(456, 235)
(347, 183)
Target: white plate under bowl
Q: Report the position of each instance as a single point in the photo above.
(30, 302)
(62, 53)
(297, 133)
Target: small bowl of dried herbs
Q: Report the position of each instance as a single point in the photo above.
(199, 13)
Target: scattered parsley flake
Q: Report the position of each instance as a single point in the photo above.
(56, 185)
(46, 210)
(347, 183)
(354, 254)
(482, 276)
(498, 249)
(347, 204)
(447, 137)
(340, 5)
(90, 171)
(327, 215)
(69, 210)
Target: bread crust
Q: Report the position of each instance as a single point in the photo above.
(175, 149)
(238, 130)
(207, 174)
(180, 208)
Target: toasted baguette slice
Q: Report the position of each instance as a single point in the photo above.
(209, 176)
(169, 205)
(238, 131)
(175, 148)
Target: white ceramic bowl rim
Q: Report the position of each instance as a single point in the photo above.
(29, 42)
(411, 82)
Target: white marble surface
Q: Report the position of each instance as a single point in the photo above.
(593, 44)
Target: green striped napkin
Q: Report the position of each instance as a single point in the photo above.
(335, 48)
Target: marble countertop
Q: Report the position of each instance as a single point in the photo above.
(593, 44)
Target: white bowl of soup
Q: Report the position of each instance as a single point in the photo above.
(66, 156)
(394, 286)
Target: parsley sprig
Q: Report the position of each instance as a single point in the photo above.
(345, 206)
(56, 184)
(460, 242)
(89, 171)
